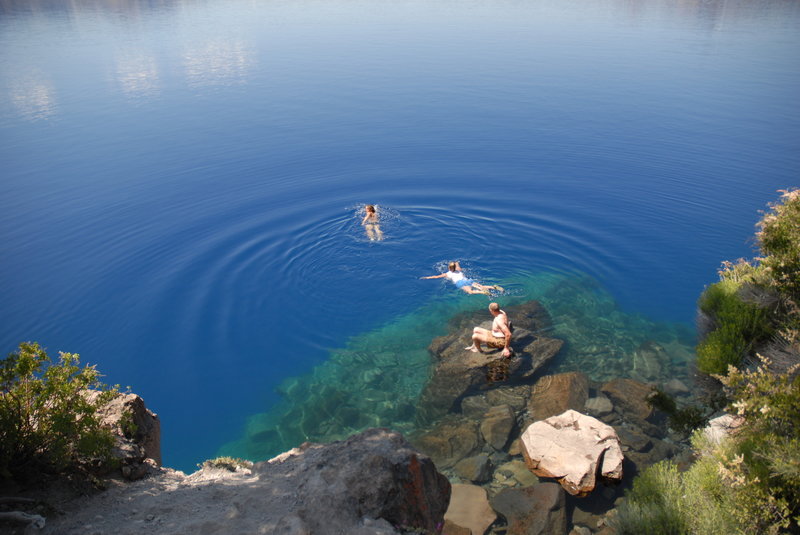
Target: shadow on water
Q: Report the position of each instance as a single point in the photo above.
(377, 378)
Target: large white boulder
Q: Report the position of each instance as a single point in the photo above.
(573, 448)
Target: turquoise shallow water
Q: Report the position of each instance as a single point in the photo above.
(377, 377)
(181, 184)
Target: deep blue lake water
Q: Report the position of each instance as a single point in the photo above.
(182, 185)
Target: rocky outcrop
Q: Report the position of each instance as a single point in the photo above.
(372, 483)
(573, 448)
(459, 373)
(136, 430)
(537, 510)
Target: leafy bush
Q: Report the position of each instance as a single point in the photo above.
(740, 325)
(779, 239)
(47, 423)
(748, 483)
(654, 504)
(767, 461)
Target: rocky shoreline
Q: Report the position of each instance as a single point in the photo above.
(468, 466)
(476, 438)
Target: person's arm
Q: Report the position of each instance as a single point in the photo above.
(364, 221)
(507, 334)
(439, 276)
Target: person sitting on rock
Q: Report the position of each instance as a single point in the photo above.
(457, 277)
(499, 336)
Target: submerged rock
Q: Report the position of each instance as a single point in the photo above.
(631, 398)
(497, 425)
(469, 508)
(537, 510)
(477, 469)
(450, 441)
(458, 373)
(572, 447)
(554, 394)
(650, 362)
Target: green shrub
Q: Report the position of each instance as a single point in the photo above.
(653, 505)
(767, 461)
(723, 347)
(739, 326)
(779, 239)
(47, 423)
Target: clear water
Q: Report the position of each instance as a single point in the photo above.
(182, 185)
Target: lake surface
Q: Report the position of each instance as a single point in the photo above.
(182, 184)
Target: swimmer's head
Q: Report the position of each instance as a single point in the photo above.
(452, 266)
(370, 208)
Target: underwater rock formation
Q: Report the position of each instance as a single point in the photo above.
(570, 447)
(554, 394)
(536, 510)
(459, 373)
(469, 509)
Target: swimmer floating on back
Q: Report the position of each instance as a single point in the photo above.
(457, 277)
(370, 223)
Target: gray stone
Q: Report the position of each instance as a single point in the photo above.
(497, 425)
(721, 427)
(515, 397)
(634, 439)
(450, 441)
(474, 406)
(519, 472)
(598, 406)
(477, 469)
(676, 387)
(537, 510)
(554, 394)
(136, 430)
(650, 361)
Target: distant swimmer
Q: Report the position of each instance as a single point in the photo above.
(457, 277)
(370, 223)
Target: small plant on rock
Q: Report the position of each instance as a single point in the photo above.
(231, 464)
